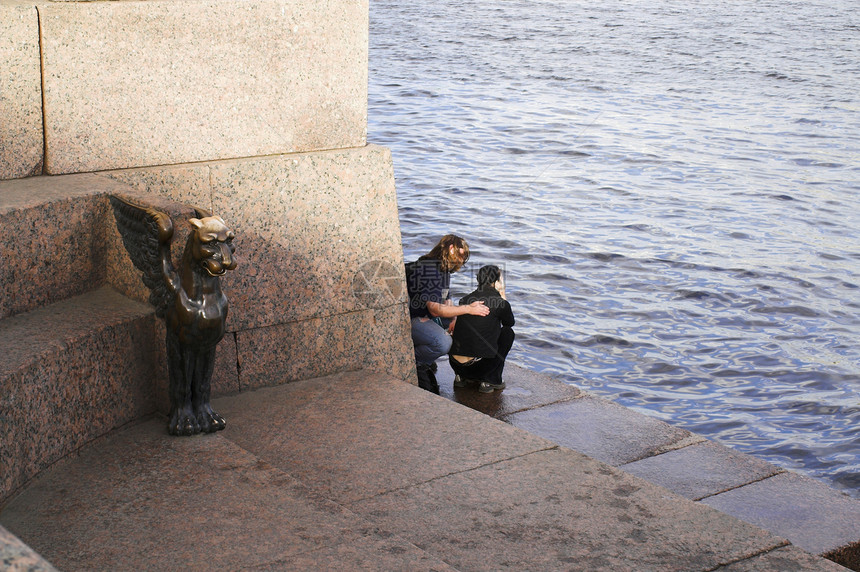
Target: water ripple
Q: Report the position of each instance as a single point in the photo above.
(672, 190)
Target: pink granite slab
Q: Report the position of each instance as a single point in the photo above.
(599, 428)
(130, 84)
(701, 470)
(372, 339)
(366, 553)
(66, 242)
(32, 192)
(15, 555)
(187, 184)
(560, 510)
(316, 234)
(21, 137)
(358, 434)
(55, 253)
(430, 485)
(143, 500)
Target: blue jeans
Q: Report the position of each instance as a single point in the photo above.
(430, 340)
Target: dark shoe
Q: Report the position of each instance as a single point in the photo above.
(487, 387)
(460, 381)
(426, 379)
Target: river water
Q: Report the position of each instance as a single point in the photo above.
(672, 187)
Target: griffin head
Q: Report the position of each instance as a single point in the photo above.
(212, 245)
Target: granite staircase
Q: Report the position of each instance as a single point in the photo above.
(78, 358)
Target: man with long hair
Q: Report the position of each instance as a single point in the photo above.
(428, 282)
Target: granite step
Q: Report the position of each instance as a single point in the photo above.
(54, 242)
(70, 372)
(363, 471)
(61, 240)
(810, 514)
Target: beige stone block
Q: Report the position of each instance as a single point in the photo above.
(131, 84)
(21, 138)
(317, 234)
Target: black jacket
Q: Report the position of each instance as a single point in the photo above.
(478, 336)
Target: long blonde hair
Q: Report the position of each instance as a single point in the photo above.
(448, 261)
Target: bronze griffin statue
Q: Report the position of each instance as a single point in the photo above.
(189, 300)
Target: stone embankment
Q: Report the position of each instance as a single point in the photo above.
(361, 470)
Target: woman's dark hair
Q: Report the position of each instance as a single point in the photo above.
(449, 262)
(488, 275)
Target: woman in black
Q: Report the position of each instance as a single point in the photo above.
(481, 343)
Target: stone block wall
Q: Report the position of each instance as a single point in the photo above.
(255, 109)
(319, 285)
(108, 85)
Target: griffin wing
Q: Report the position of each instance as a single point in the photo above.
(201, 212)
(146, 234)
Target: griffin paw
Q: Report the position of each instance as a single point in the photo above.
(209, 421)
(182, 422)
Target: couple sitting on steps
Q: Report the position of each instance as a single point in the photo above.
(477, 334)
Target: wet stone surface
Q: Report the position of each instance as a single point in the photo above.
(599, 428)
(701, 470)
(815, 517)
(525, 390)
